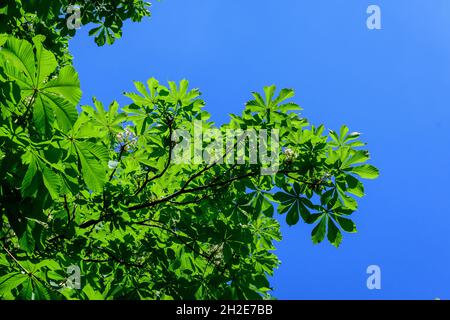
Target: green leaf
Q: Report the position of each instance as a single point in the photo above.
(27, 291)
(91, 293)
(334, 235)
(19, 54)
(45, 61)
(284, 95)
(11, 281)
(4, 261)
(354, 186)
(27, 241)
(348, 201)
(66, 85)
(357, 157)
(269, 92)
(284, 197)
(346, 224)
(41, 292)
(343, 132)
(52, 182)
(56, 108)
(365, 171)
(318, 233)
(30, 182)
(43, 116)
(293, 216)
(93, 159)
(289, 107)
(53, 100)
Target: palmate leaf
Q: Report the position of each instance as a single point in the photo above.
(296, 206)
(329, 226)
(52, 100)
(107, 122)
(270, 104)
(82, 143)
(180, 94)
(39, 173)
(106, 34)
(344, 138)
(49, 107)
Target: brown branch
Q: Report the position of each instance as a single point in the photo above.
(97, 260)
(89, 223)
(184, 190)
(122, 150)
(16, 261)
(66, 207)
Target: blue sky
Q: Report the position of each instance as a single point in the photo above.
(391, 84)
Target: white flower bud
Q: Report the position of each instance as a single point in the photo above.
(113, 164)
(289, 153)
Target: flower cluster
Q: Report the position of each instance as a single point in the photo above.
(127, 139)
(28, 100)
(290, 154)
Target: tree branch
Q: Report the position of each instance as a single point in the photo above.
(184, 190)
(122, 150)
(66, 207)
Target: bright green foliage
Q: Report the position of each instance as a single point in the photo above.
(98, 189)
(27, 18)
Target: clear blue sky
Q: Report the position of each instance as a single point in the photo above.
(392, 85)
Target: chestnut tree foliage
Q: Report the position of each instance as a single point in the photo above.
(96, 187)
(27, 18)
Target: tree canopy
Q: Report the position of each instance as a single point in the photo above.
(97, 188)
